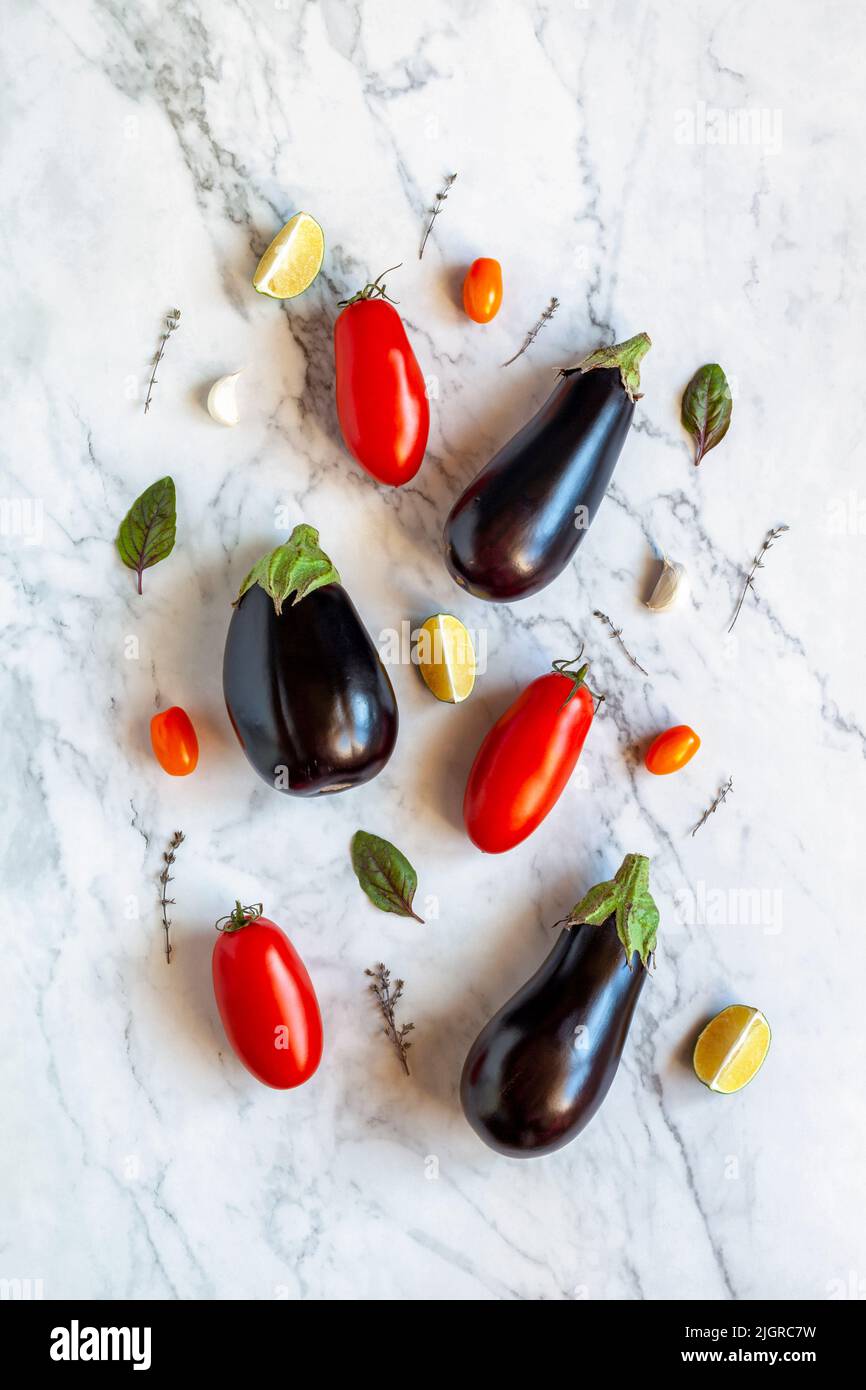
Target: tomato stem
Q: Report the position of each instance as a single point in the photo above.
(578, 677)
(239, 916)
(372, 290)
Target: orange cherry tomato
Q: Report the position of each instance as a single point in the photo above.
(672, 750)
(482, 289)
(174, 742)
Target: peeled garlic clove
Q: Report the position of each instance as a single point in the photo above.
(222, 400)
(671, 587)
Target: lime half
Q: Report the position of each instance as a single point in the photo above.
(446, 658)
(732, 1048)
(293, 259)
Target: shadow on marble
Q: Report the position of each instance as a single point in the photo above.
(525, 936)
(448, 756)
(453, 279)
(190, 1001)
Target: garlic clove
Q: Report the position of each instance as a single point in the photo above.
(222, 399)
(671, 587)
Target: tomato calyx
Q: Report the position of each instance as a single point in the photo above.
(374, 289)
(578, 678)
(239, 917)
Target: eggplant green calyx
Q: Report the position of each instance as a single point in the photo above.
(578, 677)
(297, 567)
(626, 357)
(627, 898)
(373, 290)
(239, 916)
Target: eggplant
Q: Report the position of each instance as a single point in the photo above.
(539, 1070)
(305, 688)
(520, 520)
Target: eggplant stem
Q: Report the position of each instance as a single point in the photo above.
(627, 900)
(626, 357)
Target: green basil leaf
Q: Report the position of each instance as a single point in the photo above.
(297, 567)
(706, 412)
(147, 532)
(385, 874)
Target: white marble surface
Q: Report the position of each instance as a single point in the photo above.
(149, 152)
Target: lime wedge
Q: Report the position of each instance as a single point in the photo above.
(732, 1048)
(293, 259)
(446, 658)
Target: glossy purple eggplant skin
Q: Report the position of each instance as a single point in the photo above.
(539, 1070)
(516, 526)
(306, 691)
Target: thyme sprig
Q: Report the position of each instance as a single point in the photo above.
(387, 995)
(617, 633)
(534, 332)
(171, 322)
(757, 564)
(721, 795)
(165, 878)
(436, 209)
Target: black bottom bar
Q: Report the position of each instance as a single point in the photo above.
(67, 1338)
